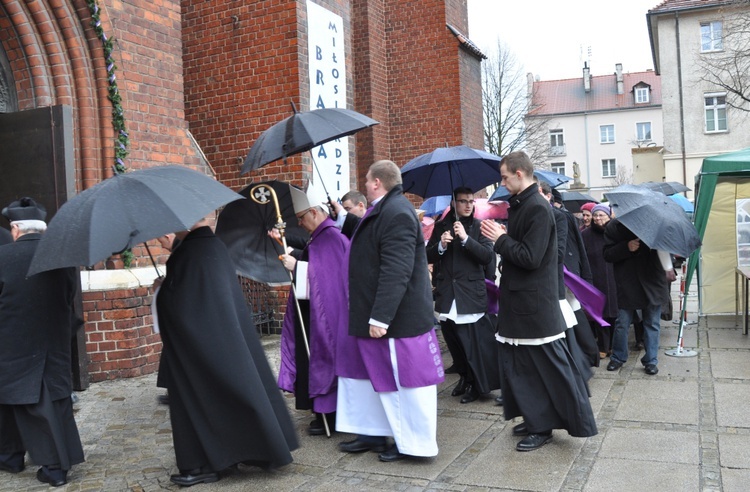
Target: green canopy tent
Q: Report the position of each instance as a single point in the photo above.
(722, 181)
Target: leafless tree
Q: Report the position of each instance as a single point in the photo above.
(728, 67)
(506, 105)
(624, 175)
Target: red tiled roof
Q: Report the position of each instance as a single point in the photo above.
(672, 5)
(568, 95)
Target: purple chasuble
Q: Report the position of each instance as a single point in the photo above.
(591, 298)
(329, 315)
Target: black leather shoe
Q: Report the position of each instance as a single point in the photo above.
(652, 370)
(359, 446)
(520, 429)
(614, 365)
(163, 399)
(55, 478)
(471, 394)
(317, 428)
(533, 441)
(194, 477)
(460, 388)
(451, 370)
(499, 401)
(392, 455)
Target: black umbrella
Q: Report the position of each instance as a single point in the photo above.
(657, 220)
(666, 187)
(243, 226)
(125, 210)
(302, 132)
(573, 200)
(441, 171)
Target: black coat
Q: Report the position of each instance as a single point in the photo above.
(223, 395)
(461, 269)
(5, 237)
(351, 222)
(388, 277)
(602, 271)
(529, 302)
(641, 280)
(36, 325)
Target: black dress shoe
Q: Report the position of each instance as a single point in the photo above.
(392, 455)
(499, 401)
(471, 394)
(460, 388)
(55, 478)
(451, 370)
(520, 429)
(614, 365)
(533, 441)
(652, 370)
(163, 399)
(318, 428)
(194, 477)
(359, 446)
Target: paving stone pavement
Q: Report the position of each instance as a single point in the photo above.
(688, 428)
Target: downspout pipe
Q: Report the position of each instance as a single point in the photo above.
(682, 104)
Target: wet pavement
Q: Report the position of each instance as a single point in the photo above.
(687, 428)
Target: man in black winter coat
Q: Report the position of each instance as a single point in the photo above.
(460, 255)
(540, 380)
(37, 322)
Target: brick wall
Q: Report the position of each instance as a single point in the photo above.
(120, 341)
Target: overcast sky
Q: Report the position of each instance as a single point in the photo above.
(551, 38)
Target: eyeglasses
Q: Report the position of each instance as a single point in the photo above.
(465, 202)
(299, 217)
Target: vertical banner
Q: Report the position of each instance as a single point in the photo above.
(327, 75)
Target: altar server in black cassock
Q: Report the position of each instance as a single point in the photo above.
(37, 321)
(224, 404)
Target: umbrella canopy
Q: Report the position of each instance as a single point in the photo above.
(572, 200)
(243, 227)
(683, 202)
(302, 132)
(666, 187)
(657, 220)
(552, 178)
(435, 205)
(485, 209)
(125, 210)
(441, 171)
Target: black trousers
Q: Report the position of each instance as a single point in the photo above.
(47, 430)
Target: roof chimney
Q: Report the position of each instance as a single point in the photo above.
(619, 79)
(586, 77)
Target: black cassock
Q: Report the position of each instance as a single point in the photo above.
(225, 406)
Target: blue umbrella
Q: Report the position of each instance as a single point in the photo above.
(552, 178)
(435, 204)
(441, 171)
(683, 202)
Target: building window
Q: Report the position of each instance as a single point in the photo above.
(609, 168)
(641, 95)
(715, 106)
(558, 167)
(607, 134)
(711, 38)
(556, 142)
(643, 131)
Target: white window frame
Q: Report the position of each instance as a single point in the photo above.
(712, 36)
(558, 136)
(606, 138)
(715, 108)
(558, 167)
(611, 168)
(642, 95)
(643, 138)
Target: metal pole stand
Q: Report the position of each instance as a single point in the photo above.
(683, 296)
(680, 350)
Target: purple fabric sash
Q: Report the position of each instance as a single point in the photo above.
(493, 297)
(419, 361)
(591, 298)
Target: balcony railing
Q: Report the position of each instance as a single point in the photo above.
(557, 150)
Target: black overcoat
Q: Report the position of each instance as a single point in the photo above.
(603, 272)
(224, 402)
(641, 280)
(36, 325)
(461, 271)
(529, 301)
(388, 276)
